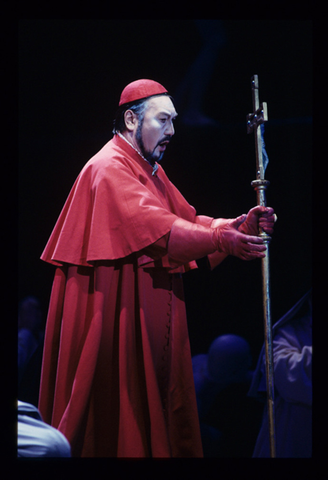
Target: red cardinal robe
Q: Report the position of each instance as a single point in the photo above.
(117, 376)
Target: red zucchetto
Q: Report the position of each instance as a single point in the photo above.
(140, 89)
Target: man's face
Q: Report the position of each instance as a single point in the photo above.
(156, 129)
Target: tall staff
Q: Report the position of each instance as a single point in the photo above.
(255, 122)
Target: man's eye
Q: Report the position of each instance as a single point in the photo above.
(163, 120)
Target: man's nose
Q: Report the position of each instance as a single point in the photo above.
(170, 129)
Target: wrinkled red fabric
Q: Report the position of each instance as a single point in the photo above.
(117, 376)
(116, 207)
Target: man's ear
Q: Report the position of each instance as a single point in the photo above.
(131, 120)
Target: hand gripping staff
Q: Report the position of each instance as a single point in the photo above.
(255, 122)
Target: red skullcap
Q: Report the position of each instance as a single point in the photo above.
(141, 89)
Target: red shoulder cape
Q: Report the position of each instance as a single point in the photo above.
(115, 208)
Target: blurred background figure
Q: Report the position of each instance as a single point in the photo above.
(37, 439)
(292, 358)
(222, 379)
(34, 437)
(30, 346)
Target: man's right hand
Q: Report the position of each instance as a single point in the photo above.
(233, 242)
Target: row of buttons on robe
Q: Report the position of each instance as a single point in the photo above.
(165, 349)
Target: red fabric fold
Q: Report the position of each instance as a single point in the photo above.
(115, 207)
(117, 376)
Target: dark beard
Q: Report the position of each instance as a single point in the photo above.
(149, 156)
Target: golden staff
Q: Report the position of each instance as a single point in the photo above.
(255, 122)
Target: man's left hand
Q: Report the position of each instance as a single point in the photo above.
(259, 217)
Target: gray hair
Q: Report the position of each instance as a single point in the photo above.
(138, 108)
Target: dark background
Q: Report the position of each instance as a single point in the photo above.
(71, 74)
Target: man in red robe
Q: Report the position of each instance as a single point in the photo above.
(117, 376)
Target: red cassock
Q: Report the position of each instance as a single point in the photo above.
(117, 376)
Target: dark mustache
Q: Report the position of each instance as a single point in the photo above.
(165, 139)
